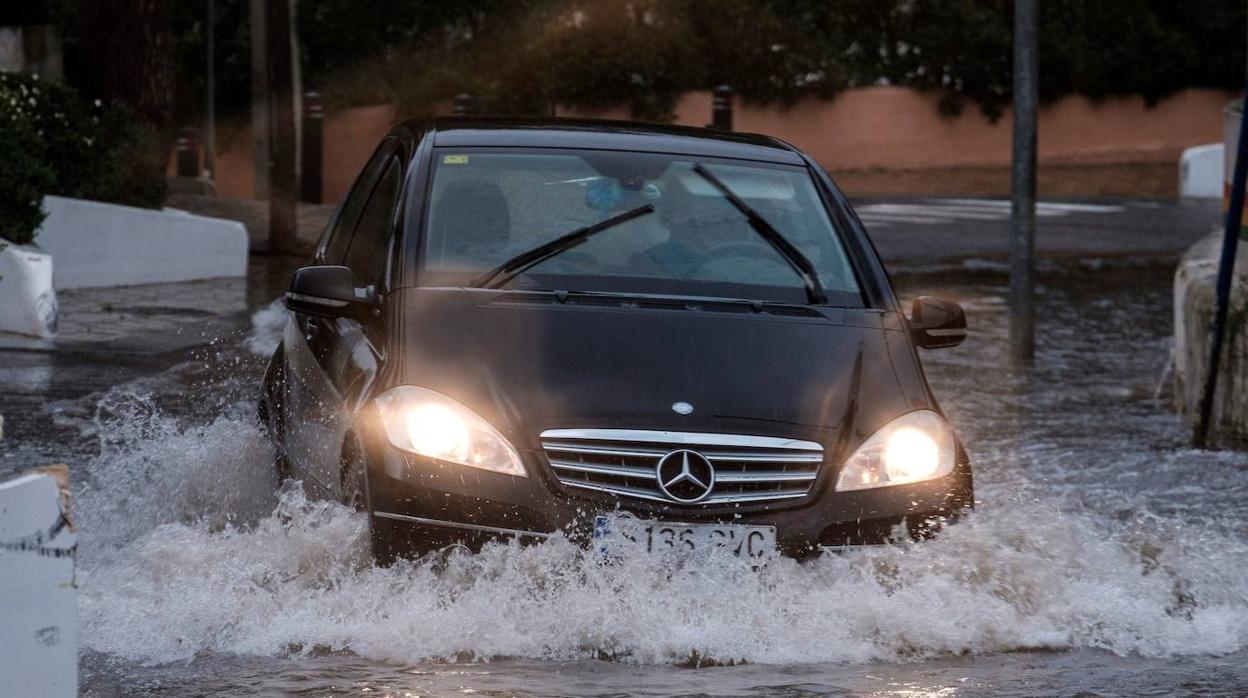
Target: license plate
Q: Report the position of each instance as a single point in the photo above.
(663, 536)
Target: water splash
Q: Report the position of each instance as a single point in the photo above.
(182, 558)
(266, 328)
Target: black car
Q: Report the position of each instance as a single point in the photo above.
(670, 336)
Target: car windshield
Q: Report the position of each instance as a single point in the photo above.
(487, 206)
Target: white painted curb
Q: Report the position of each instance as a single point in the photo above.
(96, 244)
(38, 611)
(1200, 172)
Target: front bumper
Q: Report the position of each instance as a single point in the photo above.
(440, 503)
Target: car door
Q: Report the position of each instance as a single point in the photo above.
(329, 357)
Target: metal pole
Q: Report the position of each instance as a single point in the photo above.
(1023, 183)
(210, 138)
(1226, 269)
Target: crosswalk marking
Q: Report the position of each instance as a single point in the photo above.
(946, 211)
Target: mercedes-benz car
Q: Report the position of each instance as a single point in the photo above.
(677, 337)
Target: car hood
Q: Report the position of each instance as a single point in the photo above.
(530, 361)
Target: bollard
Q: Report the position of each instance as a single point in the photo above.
(187, 152)
(463, 104)
(721, 108)
(312, 152)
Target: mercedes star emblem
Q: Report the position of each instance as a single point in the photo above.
(685, 476)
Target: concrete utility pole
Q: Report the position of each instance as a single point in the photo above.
(283, 183)
(1023, 182)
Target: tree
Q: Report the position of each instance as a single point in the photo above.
(127, 55)
(283, 188)
(122, 52)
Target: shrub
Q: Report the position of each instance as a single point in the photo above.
(56, 143)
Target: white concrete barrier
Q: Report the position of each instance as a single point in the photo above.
(95, 244)
(1193, 311)
(1200, 171)
(38, 611)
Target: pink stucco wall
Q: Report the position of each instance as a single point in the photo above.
(874, 128)
(350, 136)
(900, 128)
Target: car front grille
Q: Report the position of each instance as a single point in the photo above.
(625, 462)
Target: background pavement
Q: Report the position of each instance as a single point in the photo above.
(935, 230)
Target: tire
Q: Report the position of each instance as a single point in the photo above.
(386, 537)
(281, 464)
(274, 425)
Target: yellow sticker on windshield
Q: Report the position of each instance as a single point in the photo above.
(454, 159)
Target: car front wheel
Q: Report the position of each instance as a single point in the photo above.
(386, 537)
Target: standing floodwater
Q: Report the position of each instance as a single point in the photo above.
(1104, 555)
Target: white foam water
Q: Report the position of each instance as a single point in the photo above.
(266, 328)
(186, 550)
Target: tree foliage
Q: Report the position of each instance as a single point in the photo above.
(517, 56)
(57, 143)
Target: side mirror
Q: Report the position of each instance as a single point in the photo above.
(936, 323)
(326, 291)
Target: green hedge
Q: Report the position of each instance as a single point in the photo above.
(56, 143)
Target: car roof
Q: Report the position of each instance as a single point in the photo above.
(599, 134)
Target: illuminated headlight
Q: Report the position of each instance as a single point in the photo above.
(431, 424)
(914, 447)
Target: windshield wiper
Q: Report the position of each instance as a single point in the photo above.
(800, 262)
(500, 275)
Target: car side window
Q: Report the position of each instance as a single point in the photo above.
(366, 256)
(335, 247)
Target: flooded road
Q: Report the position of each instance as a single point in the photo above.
(1104, 557)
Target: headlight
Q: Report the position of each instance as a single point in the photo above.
(430, 424)
(914, 447)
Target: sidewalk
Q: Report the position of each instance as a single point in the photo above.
(940, 231)
(154, 319)
(312, 218)
(141, 320)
